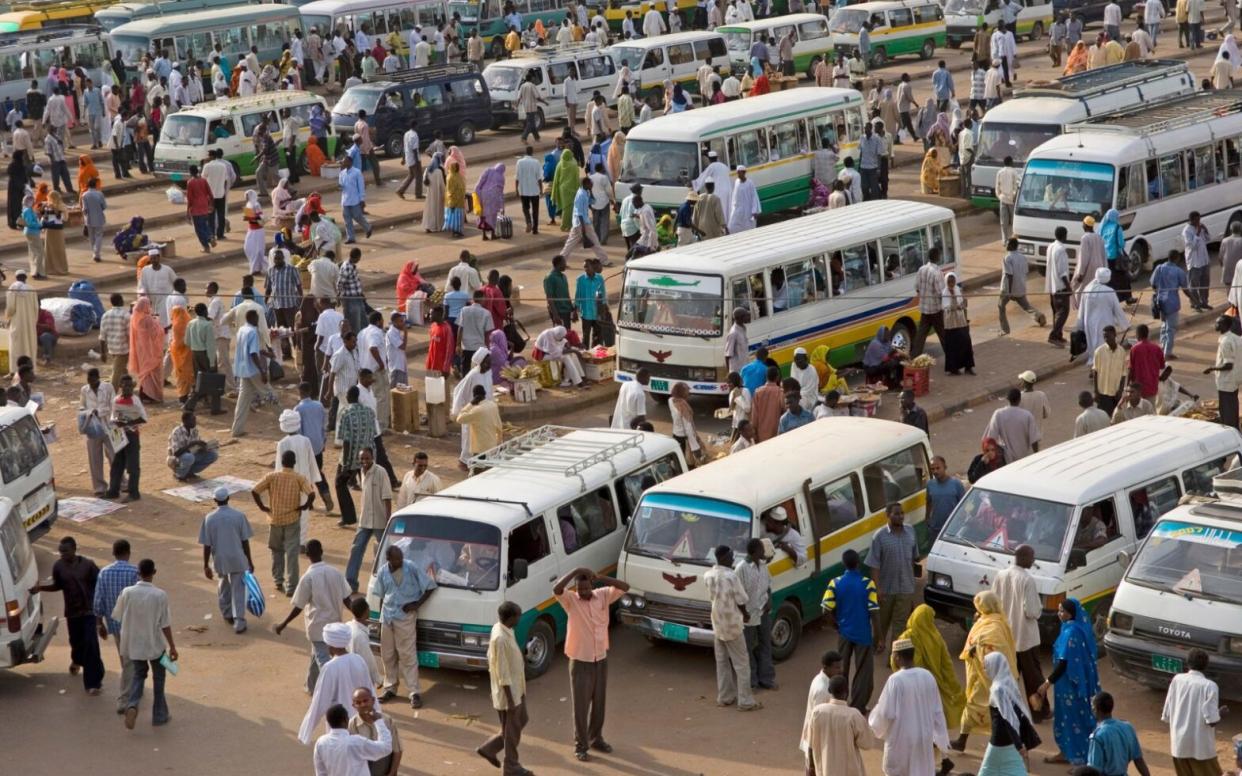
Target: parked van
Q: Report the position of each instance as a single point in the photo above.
(26, 476)
(1184, 590)
(554, 499)
(833, 477)
(188, 135)
(1083, 505)
(450, 98)
(963, 17)
(898, 27)
(675, 57)
(591, 69)
(812, 41)
(23, 638)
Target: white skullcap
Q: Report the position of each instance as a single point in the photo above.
(336, 635)
(290, 422)
(779, 515)
(478, 356)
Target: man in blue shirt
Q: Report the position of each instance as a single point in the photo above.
(795, 415)
(248, 369)
(353, 197)
(1166, 280)
(852, 603)
(943, 493)
(942, 87)
(588, 294)
(402, 587)
(113, 578)
(870, 149)
(314, 428)
(581, 232)
(1113, 744)
(755, 374)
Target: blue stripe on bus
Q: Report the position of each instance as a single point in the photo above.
(836, 323)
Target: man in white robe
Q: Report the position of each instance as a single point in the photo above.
(909, 717)
(21, 310)
(807, 377)
(1099, 308)
(1090, 258)
(291, 424)
(744, 204)
(718, 173)
(480, 374)
(156, 283)
(631, 401)
(338, 678)
(830, 665)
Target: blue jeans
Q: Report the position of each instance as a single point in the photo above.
(319, 656)
(202, 230)
(192, 464)
(47, 344)
(1168, 331)
(159, 712)
(361, 539)
(355, 311)
(352, 213)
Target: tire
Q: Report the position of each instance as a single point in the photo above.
(1136, 259)
(879, 57)
(465, 133)
(787, 628)
(237, 176)
(540, 119)
(928, 50)
(1037, 31)
(540, 649)
(902, 335)
(392, 146)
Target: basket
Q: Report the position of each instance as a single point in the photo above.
(917, 379)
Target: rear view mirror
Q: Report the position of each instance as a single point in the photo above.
(1077, 559)
(1123, 560)
(520, 569)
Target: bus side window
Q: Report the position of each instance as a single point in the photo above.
(759, 300)
(529, 541)
(839, 504)
(741, 296)
(854, 120)
(751, 148)
(1233, 156)
(819, 273)
(799, 283)
(1198, 479)
(913, 249)
(890, 251)
(1218, 151)
(655, 58)
(826, 131)
(896, 477)
(631, 487)
(1151, 501)
(1204, 162)
(854, 264)
(1172, 175)
(592, 517)
(1130, 188)
(1154, 189)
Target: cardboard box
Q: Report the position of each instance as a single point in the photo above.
(524, 391)
(437, 420)
(330, 171)
(405, 409)
(169, 251)
(73, 216)
(598, 371)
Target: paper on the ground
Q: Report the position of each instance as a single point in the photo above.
(204, 490)
(79, 510)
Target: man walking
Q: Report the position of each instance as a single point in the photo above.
(1166, 280)
(198, 206)
(402, 586)
(373, 518)
(128, 414)
(851, 601)
(929, 287)
(94, 203)
(321, 592)
(1006, 186)
(146, 637)
(893, 555)
(1195, 237)
(225, 535)
(410, 145)
(249, 371)
(506, 669)
(75, 577)
(752, 572)
(1113, 745)
(220, 176)
(353, 199)
(340, 752)
(586, 645)
(287, 488)
(1192, 710)
(114, 339)
(836, 733)
(282, 294)
(528, 184)
(581, 232)
(1019, 597)
(944, 491)
(728, 599)
(96, 402)
(1014, 427)
(909, 717)
(114, 578)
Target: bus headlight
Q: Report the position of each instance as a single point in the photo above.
(627, 601)
(703, 374)
(1026, 248)
(475, 639)
(1234, 645)
(641, 603)
(942, 581)
(1120, 621)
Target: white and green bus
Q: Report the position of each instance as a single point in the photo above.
(898, 27)
(774, 136)
(190, 36)
(122, 13)
(812, 41)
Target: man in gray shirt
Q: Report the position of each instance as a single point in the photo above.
(474, 323)
(1230, 252)
(225, 533)
(894, 551)
(93, 206)
(146, 636)
(1013, 285)
(870, 149)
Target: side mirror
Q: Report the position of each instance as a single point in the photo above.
(1077, 559)
(1123, 559)
(520, 569)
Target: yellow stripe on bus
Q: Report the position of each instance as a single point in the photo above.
(869, 524)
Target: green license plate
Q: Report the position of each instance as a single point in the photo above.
(659, 385)
(674, 632)
(1169, 665)
(428, 660)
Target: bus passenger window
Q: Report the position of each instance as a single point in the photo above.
(913, 249)
(896, 477)
(854, 119)
(529, 542)
(751, 148)
(837, 267)
(838, 505)
(819, 271)
(587, 518)
(1172, 175)
(631, 487)
(1154, 189)
(1204, 166)
(800, 282)
(780, 291)
(826, 131)
(784, 141)
(1151, 501)
(1233, 156)
(655, 58)
(758, 303)
(890, 249)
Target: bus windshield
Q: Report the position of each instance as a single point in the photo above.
(130, 49)
(455, 552)
(1000, 522)
(963, 8)
(321, 22)
(1065, 190)
(687, 529)
(1197, 561)
(659, 163)
(184, 130)
(631, 54)
(468, 12)
(503, 79)
(998, 140)
(356, 99)
(848, 21)
(737, 40)
(672, 303)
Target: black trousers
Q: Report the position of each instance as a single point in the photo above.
(1106, 402)
(119, 168)
(291, 162)
(1228, 407)
(927, 322)
(530, 212)
(863, 681)
(344, 499)
(322, 486)
(218, 220)
(202, 363)
(1060, 312)
(84, 650)
(127, 461)
(590, 333)
(381, 458)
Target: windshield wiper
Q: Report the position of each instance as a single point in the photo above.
(677, 560)
(964, 540)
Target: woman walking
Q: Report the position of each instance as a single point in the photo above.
(256, 239)
(433, 208)
(489, 196)
(1076, 681)
(179, 351)
(454, 200)
(565, 183)
(989, 634)
(1114, 237)
(19, 176)
(1013, 734)
(959, 353)
(146, 352)
(54, 259)
(683, 422)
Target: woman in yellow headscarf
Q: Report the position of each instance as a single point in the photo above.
(454, 200)
(828, 378)
(989, 634)
(930, 652)
(929, 176)
(182, 357)
(1078, 59)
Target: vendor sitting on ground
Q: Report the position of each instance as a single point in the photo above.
(552, 345)
(882, 361)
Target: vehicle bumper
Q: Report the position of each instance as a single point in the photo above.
(663, 385)
(984, 197)
(668, 631)
(502, 117)
(960, 608)
(1036, 251)
(1131, 657)
(20, 651)
(959, 34)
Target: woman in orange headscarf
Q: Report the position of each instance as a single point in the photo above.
(1078, 59)
(407, 283)
(182, 358)
(86, 171)
(146, 352)
(41, 195)
(315, 158)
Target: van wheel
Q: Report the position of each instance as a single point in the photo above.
(540, 647)
(879, 57)
(465, 133)
(929, 48)
(1136, 259)
(786, 631)
(1037, 31)
(902, 336)
(237, 176)
(540, 119)
(393, 146)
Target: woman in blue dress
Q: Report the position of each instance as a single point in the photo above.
(1076, 681)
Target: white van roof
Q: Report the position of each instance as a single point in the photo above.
(888, 5)
(762, 473)
(1090, 467)
(714, 120)
(266, 100)
(543, 469)
(665, 40)
(10, 415)
(773, 21)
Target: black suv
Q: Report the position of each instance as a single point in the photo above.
(1090, 10)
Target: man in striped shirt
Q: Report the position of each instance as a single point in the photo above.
(113, 578)
(929, 287)
(114, 338)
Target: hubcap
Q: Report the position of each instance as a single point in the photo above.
(780, 632)
(536, 651)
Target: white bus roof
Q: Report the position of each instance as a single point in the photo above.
(773, 21)
(692, 126)
(527, 57)
(210, 19)
(767, 245)
(665, 40)
(1091, 83)
(269, 100)
(1037, 110)
(762, 474)
(1091, 467)
(887, 5)
(539, 479)
(334, 7)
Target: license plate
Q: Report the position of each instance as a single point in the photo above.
(674, 632)
(37, 516)
(428, 660)
(1169, 665)
(659, 385)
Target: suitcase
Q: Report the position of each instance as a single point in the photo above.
(209, 384)
(504, 227)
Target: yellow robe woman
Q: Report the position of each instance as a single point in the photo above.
(929, 176)
(990, 633)
(829, 380)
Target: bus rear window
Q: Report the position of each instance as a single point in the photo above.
(21, 449)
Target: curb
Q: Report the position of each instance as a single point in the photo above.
(536, 410)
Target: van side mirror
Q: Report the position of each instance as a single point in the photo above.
(1077, 559)
(520, 569)
(1123, 559)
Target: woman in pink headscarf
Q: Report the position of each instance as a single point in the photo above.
(489, 197)
(146, 351)
(498, 346)
(454, 155)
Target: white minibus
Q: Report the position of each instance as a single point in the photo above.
(1082, 505)
(676, 58)
(1154, 164)
(388, 21)
(1018, 126)
(834, 478)
(26, 475)
(553, 499)
(592, 71)
(963, 17)
(24, 637)
(832, 278)
(28, 55)
(812, 41)
(775, 136)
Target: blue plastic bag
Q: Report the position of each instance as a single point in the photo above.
(84, 290)
(255, 603)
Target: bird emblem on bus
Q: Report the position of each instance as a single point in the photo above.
(679, 582)
(660, 355)
(664, 281)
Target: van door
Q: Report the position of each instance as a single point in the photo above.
(655, 68)
(681, 62)
(428, 102)
(530, 542)
(1102, 531)
(557, 73)
(590, 531)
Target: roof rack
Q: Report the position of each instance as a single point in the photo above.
(1103, 80)
(422, 74)
(1170, 114)
(551, 51)
(547, 449)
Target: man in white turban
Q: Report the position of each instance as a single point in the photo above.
(480, 374)
(291, 424)
(1099, 308)
(551, 344)
(339, 677)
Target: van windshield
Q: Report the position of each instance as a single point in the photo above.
(1000, 522)
(631, 54)
(354, 100)
(1065, 190)
(184, 130)
(687, 529)
(659, 163)
(1194, 560)
(672, 303)
(457, 553)
(738, 40)
(848, 21)
(503, 79)
(21, 449)
(1000, 139)
(963, 8)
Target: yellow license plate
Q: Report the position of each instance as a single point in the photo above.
(37, 516)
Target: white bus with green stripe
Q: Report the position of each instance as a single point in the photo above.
(963, 17)
(812, 41)
(898, 27)
(774, 136)
(550, 500)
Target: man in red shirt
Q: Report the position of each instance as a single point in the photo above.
(45, 330)
(440, 348)
(198, 205)
(1146, 363)
(494, 300)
